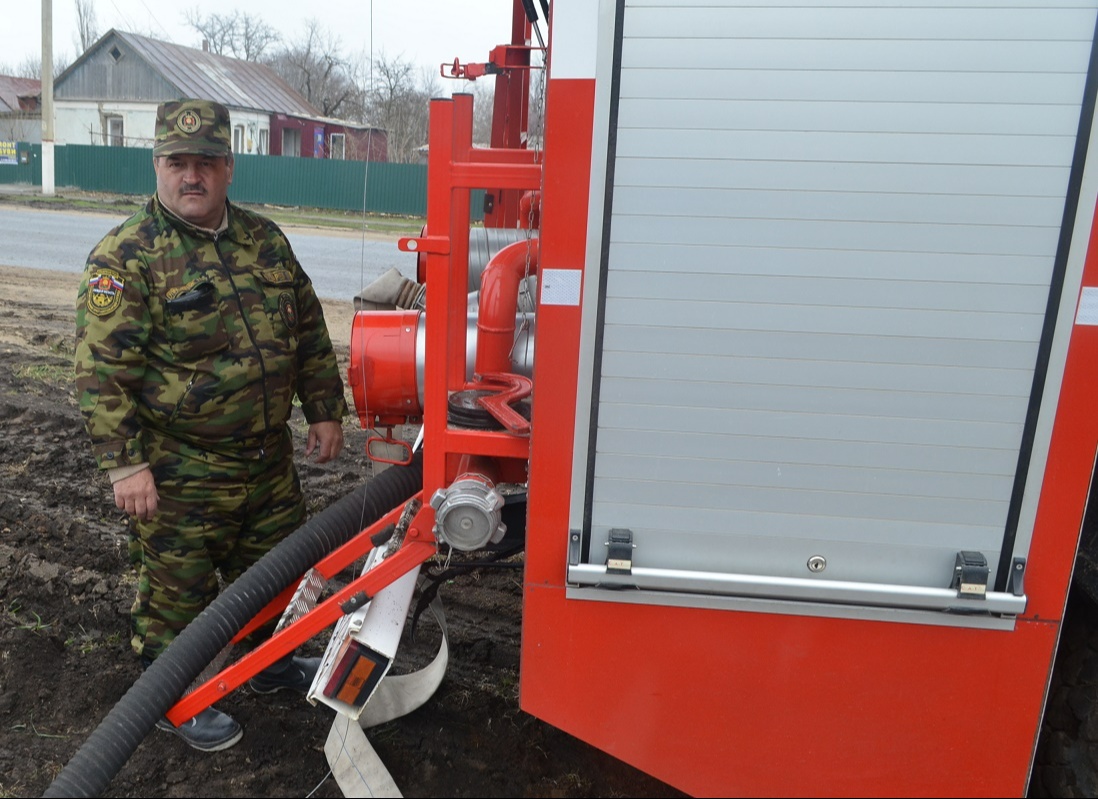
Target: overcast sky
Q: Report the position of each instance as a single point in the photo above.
(425, 32)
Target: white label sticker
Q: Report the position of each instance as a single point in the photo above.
(1088, 307)
(560, 286)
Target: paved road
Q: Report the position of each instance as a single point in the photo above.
(339, 263)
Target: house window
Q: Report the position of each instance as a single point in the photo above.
(291, 142)
(336, 147)
(238, 139)
(264, 141)
(115, 135)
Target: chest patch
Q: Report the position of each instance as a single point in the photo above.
(277, 276)
(104, 292)
(176, 291)
(288, 308)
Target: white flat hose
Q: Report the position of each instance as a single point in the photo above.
(355, 765)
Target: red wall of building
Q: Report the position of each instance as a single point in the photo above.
(363, 145)
(360, 145)
(307, 128)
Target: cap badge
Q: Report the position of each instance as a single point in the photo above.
(189, 122)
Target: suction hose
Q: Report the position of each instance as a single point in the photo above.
(117, 737)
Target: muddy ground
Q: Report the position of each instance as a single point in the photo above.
(66, 588)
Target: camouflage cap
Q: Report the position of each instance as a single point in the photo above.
(199, 127)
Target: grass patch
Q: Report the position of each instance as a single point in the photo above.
(341, 220)
(25, 620)
(13, 469)
(52, 373)
(282, 215)
(87, 643)
(33, 730)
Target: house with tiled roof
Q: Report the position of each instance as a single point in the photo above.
(20, 112)
(109, 96)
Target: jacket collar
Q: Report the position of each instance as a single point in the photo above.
(234, 231)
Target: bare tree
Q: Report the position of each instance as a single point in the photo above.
(483, 92)
(216, 30)
(315, 65)
(87, 27)
(536, 122)
(31, 67)
(399, 103)
(254, 38)
(236, 34)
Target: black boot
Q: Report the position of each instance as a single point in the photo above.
(291, 673)
(209, 731)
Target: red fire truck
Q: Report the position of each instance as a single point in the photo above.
(807, 443)
(815, 389)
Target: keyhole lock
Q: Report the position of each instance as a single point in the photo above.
(817, 563)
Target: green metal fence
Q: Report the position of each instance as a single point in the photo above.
(321, 183)
(311, 182)
(27, 168)
(118, 170)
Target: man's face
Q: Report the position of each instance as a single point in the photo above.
(194, 187)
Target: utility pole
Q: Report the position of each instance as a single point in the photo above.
(47, 98)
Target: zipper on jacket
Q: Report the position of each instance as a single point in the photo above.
(251, 334)
(183, 398)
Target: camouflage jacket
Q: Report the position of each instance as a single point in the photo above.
(203, 338)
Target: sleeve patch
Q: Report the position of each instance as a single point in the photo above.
(104, 292)
(287, 306)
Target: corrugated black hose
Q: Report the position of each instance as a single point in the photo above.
(117, 737)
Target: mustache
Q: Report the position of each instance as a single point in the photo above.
(192, 187)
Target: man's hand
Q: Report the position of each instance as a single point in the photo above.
(137, 495)
(327, 439)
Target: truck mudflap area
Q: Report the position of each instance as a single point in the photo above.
(1085, 577)
(1066, 764)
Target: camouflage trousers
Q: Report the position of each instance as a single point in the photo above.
(218, 514)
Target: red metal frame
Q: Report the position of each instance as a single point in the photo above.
(419, 545)
(454, 167)
(510, 64)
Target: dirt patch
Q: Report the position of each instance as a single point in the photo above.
(66, 588)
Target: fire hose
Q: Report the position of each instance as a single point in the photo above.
(117, 737)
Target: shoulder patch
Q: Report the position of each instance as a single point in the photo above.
(287, 306)
(104, 291)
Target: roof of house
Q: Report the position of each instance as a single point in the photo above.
(11, 89)
(349, 124)
(197, 73)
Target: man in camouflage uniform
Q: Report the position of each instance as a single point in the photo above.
(196, 328)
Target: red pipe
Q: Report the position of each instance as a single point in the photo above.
(478, 467)
(499, 303)
(530, 210)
